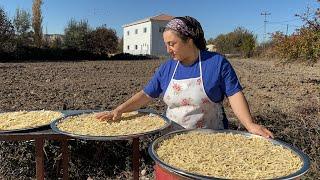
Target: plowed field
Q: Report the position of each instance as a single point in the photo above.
(286, 99)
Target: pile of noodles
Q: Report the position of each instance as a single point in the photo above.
(129, 123)
(27, 119)
(226, 155)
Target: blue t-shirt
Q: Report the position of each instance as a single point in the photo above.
(219, 78)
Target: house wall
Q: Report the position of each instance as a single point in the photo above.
(211, 47)
(158, 47)
(139, 43)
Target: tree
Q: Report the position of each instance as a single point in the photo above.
(120, 45)
(22, 25)
(6, 33)
(245, 41)
(75, 33)
(210, 41)
(102, 41)
(223, 44)
(22, 21)
(37, 22)
(240, 41)
(248, 45)
(312, 20)
(303, 44)
(56, 43)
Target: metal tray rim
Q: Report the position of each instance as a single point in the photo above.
(304, 158)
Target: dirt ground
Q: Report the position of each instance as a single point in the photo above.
(284, 98)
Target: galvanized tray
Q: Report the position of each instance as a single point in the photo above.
(27, 129)
(152, 151)
(106, 138)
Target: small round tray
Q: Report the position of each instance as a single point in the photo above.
(152, 151)
(55, 123)
(27, 129)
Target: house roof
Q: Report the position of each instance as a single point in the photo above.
(160, 17)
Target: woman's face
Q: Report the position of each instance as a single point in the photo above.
(176, 47)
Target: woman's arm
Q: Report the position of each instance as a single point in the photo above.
(135, 102)
(240, 107)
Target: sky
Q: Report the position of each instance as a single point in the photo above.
(216, 16)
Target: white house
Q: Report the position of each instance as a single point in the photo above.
(211, 47)
(145, 36)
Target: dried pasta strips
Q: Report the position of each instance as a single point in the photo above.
(26, 119)
(129, 123)
(226, 155)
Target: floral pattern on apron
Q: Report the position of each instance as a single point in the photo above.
(189, 106)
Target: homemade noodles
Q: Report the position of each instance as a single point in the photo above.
(129, 123)
(26, 119)
(231, 156)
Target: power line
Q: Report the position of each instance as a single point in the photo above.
(257, 28)
(265, 14)
(291, 25)
(284, 21)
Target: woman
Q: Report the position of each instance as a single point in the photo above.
(193, 83)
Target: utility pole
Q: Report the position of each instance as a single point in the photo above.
(287, 30)
(265, 14)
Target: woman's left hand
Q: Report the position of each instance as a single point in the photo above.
(259, 130)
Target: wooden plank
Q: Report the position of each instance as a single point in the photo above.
(135, 158)
(39, 159)
(65, 159)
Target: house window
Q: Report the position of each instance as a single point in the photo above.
(128, 47)
(128, 33)
(136, 46)
(136, 31)
(161, 29)
(145, 30)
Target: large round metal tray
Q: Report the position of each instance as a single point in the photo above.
(106, 138)
(27, 129)
(152, 151)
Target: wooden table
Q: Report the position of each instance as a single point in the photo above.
(39, 136)
(42, 134)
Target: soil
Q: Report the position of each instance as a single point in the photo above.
(284, 98)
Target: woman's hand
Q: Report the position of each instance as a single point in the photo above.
(240, 107)
(108, 115)
(259, 130)
(135, 102)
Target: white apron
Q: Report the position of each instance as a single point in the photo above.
(189, 106)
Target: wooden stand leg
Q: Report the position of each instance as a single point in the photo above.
(65, 159)
(39, 159)
(135, 158)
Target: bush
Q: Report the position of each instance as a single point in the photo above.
(305, 45)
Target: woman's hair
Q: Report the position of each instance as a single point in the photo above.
(188, 27)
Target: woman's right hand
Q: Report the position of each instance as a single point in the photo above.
(135, 102)
(109, 115)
